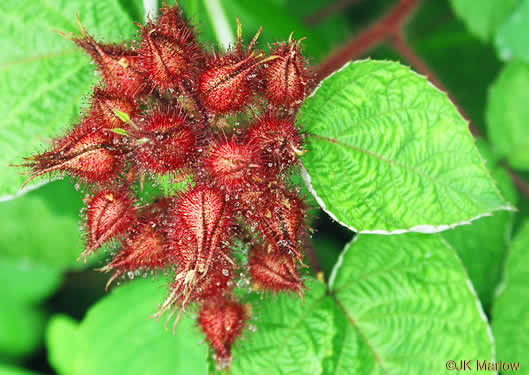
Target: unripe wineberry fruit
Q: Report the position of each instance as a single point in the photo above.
(109, 214)
(166, 141)
(287, 77)
(222, 320)
(272, 271)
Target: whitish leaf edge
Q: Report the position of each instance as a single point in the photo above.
(479, 306)
(478, 302)
(424, 228)
(26, 189)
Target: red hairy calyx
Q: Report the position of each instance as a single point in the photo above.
(217, 127)
(222, 320)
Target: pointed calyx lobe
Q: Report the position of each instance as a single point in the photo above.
(109, 214)
(166, 140)
(274, 271)
(201, 231)
(118, 65)
(86, 152)
(223, 122)
(222, 321)
(169, 52)
(287, 79)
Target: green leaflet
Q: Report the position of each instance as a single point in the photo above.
(44, 76)
(404, 306)
(507, 114)
(512, 39)
(484, 18)
(118, 337)
(291, 337)
(483, 244)
(511, 306)
(399, 304)
(389, 153)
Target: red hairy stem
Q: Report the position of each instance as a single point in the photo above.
(388, 25)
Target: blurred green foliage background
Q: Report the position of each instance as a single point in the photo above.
(44, 80)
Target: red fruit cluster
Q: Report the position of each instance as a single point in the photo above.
(224, 122)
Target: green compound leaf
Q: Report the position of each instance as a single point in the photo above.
(484, 18)
(508, 114)
(512, 39)
(511, 306)
(404, 305)
(483, 244)
(118, 337)
(44, 76)
(291, 337)
(389, 153)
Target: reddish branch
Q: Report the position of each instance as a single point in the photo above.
(389, 28)
(327, 11)
(401, 46)
(519, 182)
(389, 25)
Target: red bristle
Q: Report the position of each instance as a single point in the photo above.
(278, 139)
(172, 24)
(188, 287)
(104, 106)
(199, 239)
(86, 152)
(234, 165)
(166, 141)
(272, 271)
(167, 60)
(109, 214)
(225, 85)
(280, 215)
(143, 251)
(287, 77)
(118, 65)
(222, 320)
